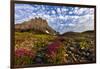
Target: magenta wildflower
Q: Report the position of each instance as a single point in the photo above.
(24, 52)
(52, 48)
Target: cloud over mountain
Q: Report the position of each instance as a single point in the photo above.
(60, 18)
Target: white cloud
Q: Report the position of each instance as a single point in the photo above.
(71, 24)
(70, 12)
(58, 10)
(53, 12)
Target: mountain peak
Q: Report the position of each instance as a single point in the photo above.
(36, 25)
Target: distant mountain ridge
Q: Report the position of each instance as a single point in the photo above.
(37, 25)
(89, 31)
(76, 33)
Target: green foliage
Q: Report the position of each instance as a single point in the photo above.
(84, 44)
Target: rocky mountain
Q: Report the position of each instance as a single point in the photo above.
(37, 25)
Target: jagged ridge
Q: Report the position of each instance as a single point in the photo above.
(37, 25)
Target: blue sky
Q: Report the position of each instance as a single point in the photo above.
(60, 18)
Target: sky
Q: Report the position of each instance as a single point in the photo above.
(61, 18)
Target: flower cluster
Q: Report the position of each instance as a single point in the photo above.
(55, 53)
(52, 48)
(24, 52)
(24, 56)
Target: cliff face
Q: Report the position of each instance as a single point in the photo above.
(37, 25)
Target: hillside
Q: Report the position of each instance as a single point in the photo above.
(78, 33)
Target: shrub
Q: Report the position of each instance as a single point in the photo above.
(84, 44)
